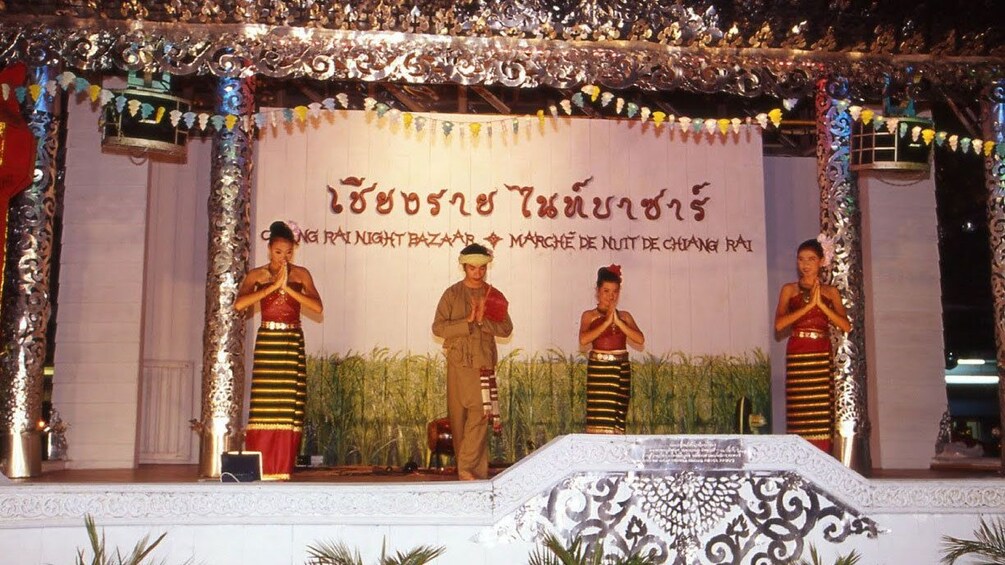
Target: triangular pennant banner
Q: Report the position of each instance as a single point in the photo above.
(65, 79)
(776, 117)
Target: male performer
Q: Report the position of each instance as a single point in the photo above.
(470, 315)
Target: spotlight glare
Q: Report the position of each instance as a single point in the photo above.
(971, 379)
(971, 362)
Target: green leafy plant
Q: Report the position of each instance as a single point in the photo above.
(555, 552)
(372, 408)
(851, 559)
(103, 556)
(989, 544)
(331, 553)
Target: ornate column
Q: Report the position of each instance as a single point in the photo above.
(993, 124)
(229, 238)
(841, 219)
(25, 309)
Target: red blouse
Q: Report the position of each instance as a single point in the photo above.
(815, 319)
(613, 339)
(279, 306)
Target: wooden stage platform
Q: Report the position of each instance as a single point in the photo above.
(692, 494)
(55, 472)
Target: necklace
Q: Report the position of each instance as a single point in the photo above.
(804, 292)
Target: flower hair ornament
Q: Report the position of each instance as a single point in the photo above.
(616, 269)
(297, 233)
(827, 243)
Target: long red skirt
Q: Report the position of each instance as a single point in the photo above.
(809, 390)
(278, 397)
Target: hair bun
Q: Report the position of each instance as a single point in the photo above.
(280, 230)
(610, 273)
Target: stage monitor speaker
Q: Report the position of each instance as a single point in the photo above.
(880, 149)
(240, 466)
(150, 132)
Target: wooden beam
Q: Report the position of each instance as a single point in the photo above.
(967, 123)
(462, 99)
(309, 92)
(402, 96)
(492, 99)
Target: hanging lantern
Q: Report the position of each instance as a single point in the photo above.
(142, 125)
(891, 148)
(17, 147)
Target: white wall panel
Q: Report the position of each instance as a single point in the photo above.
(175, 302)
(904, 341)
(97, 360)
(385, 295)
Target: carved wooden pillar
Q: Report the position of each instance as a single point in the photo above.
(993, 124)
(229, 241)
(841, 220)
(25, 307)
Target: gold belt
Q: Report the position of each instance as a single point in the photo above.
(809, 334)
(280, 326)
(608, 355)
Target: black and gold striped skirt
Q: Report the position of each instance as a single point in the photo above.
(278, 398)
(608, 390)
(809, 396)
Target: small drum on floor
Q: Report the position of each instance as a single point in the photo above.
(441, 440)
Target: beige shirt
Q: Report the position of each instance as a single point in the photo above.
(467, 344)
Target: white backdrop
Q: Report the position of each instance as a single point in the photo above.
(381, 271)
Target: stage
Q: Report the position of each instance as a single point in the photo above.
(705, 499)
(56, 472)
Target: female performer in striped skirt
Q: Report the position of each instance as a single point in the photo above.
(279, 375)
(608, 372)
(809, 308)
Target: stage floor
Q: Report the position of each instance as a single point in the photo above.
(896, 516)
(54, 473)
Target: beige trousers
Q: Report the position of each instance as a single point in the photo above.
(468, 422)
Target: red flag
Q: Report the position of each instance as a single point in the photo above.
(496, 305)
(17, 147)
